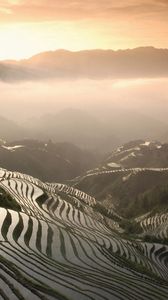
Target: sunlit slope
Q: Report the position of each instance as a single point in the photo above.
(58, 246)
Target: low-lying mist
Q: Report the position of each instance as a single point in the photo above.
(23, 100)
(70, 110)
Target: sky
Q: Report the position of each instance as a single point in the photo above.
(28, 27)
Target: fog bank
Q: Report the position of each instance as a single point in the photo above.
(20, 101)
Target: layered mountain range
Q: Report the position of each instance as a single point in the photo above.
(100, 132)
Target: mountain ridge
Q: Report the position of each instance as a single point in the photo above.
(62, 50)
(94, 64)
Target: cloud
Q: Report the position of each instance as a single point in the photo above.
(5, 11)
(52, 10)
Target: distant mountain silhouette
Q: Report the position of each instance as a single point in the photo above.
(9, 130)
(90, 131)
(77, 127)
(131, 63)
(85, 130)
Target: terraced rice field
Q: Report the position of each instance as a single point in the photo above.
(107, 170)
(156, 225)
(59, 247)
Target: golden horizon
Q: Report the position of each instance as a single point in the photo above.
(31, 27)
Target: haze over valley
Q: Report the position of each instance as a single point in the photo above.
(89, 113)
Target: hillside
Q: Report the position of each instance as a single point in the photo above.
(127, 191)
(135, 154)
(46, 160)
(58, 245)
(133, 183)
(139, 153)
